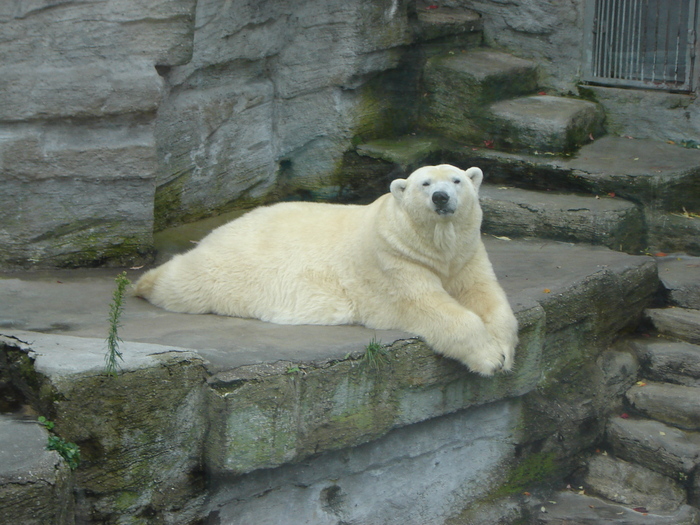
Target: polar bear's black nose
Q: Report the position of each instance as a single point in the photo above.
(440, 198)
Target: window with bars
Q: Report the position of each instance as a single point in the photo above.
(641, 43)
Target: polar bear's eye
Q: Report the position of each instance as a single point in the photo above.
(426, 183)
(456, 181)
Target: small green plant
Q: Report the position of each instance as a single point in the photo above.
(375, 354)
(115, 312)
(293, 369)
(67, 450)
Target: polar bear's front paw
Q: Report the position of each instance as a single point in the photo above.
(486, 364)
(489, 358)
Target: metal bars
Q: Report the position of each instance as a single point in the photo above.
(641, 43)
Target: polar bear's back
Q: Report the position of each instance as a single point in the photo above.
(287, 263)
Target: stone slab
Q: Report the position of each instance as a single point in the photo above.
(643, 171)
(572, 508)
(35, 484)
(545, 123)
(444, 21)
(669, 361)
(134, 430)
(515, 212)
(632, 485)
(667, 450)
(680, 275)
(459, 86)
(663, 179)
(677, 405)
(680, 323)
(302, 389)
(77, 302)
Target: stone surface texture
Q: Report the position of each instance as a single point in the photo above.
(36, 486)
(77, 143)
(633, 485)
(546, 123)
(187, 108)
(274, 414)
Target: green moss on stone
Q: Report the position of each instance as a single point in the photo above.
(531, 471)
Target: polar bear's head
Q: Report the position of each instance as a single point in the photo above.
(440, 191)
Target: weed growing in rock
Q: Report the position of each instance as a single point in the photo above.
(115, 312)
(375, 354)
(67, 450)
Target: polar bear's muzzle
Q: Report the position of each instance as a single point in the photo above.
(443, 204)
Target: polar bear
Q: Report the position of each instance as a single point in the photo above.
(412, 260)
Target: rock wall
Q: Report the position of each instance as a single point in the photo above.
(77, 143)
(118, 118)
(274, 94)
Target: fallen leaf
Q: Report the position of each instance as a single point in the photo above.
(543, 509)
(502, 238)
(662, 433)
(627, 137)
(624, 416)
(640, 509)
(432, 7)
(489, 144)
(136, 267)
(526, 494)
(641, 383)
(547, 290)
(670, 142)
(590, 136)
(611, 194)
(541, 92)
(660, 254)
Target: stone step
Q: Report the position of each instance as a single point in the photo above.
(680, 276)
(677, 405)
(633, 485)
(669, 361)
(444, 22)
(544, 123)
(681, 323)
(667, 450)
(569, 508)
(36, 485)
(515, 212)
(663, 179)
(460, 86)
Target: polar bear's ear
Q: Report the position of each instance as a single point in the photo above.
(476, 175)
(397, 188)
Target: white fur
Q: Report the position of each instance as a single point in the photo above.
(394, 264)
